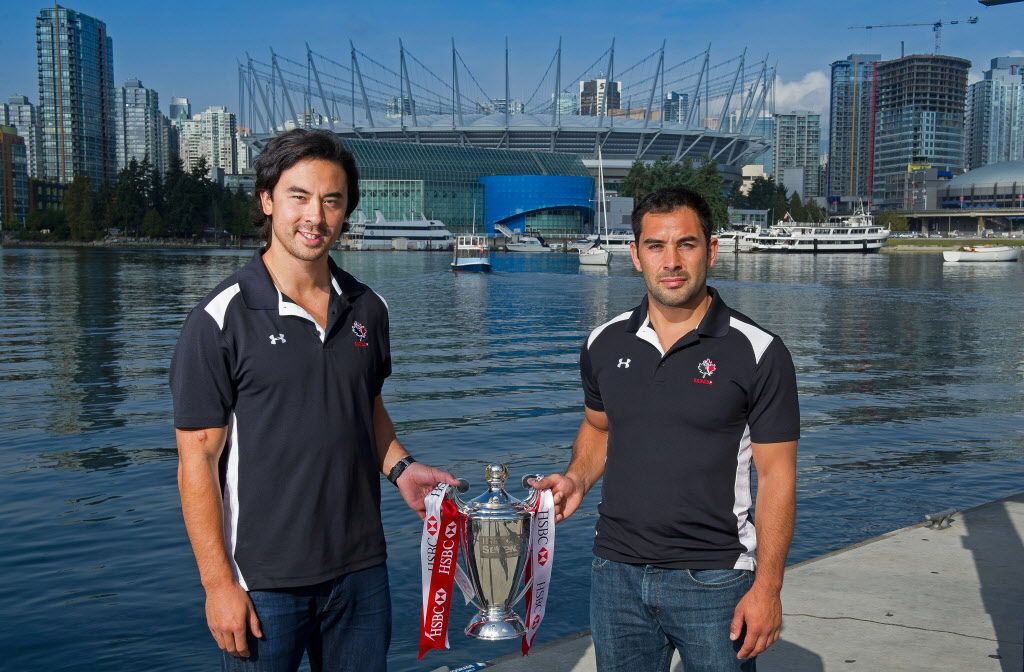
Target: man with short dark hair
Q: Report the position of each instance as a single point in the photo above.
(282, 434)
(681, 394)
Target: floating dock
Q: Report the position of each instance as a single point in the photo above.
(942, 599)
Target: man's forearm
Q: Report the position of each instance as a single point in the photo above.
(775, 519)
(201, 507)
(389, 449)
(589, 453)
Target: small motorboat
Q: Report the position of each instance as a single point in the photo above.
(471, 254)
(983, 253)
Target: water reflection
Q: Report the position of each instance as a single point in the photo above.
(911, 376)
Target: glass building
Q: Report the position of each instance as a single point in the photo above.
(852, 130)
(450, 183)
(797, 139)
(140, 131)
(76, 95)
(13, 179)
(24, 117)
(995, 114)
(919, 122)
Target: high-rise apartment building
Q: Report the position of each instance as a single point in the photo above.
(243, 152)
(75, 57)
(24, 118)
(180, 110)
(599, 96)
(852, 131)
(140, 131)
(995, 114)
(797, 153)
(210, 134)
(919, 121)
(676, 107)
(13, 179)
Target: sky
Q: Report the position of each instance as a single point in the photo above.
(189, 48)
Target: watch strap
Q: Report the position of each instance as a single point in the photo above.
(399, 468)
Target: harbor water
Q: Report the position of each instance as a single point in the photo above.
(911, 375)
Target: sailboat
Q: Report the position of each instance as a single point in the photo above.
(596, 254)
(471, 252)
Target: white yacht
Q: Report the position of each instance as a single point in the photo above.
(404, 234)
(853, 233)
(617, 239)
(527, 244)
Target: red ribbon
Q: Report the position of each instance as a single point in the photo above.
(434, 626)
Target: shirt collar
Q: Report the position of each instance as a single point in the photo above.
(259, 291)
(714, 323)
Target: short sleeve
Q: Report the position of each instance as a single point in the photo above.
(384, 353)
(201, 382)
(591, 390)
(774, 415)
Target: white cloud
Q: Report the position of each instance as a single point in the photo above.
(809, 93)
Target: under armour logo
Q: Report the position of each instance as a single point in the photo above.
(274, 340)
(624, 363)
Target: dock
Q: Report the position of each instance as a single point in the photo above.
(949, 598)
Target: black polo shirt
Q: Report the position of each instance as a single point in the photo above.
(676, 487)
(299, 478)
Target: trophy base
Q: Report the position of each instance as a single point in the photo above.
(505, 626)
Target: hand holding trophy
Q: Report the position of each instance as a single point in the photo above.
(508, 550)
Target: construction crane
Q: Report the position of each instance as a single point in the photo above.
(936, 27)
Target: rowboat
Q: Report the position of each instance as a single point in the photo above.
(983, 253)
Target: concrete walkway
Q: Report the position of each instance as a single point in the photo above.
(912, 600)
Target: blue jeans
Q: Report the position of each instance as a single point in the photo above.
(640, 613)
(343, 624)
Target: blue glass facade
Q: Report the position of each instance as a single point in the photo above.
(75, 58)
(545, 204)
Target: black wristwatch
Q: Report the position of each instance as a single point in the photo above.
(400, 468)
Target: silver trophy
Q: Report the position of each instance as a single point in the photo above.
(496, 548)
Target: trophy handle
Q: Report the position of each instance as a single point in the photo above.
(453, 493)
(523, 590)
(534, 492)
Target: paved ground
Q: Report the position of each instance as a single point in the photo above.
(912, 600)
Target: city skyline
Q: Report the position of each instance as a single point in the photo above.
(180, 56)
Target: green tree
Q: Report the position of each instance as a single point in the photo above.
(643, 179)
(129, 202)
(892, 221)
(814, 211)
(796, 208)
(50, 220)
(153, 224)
(80, 209)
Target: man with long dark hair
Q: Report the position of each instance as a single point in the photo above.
(282, 434)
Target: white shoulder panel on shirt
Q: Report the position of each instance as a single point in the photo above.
(218, 307)
(386, 306)
(759, 338)
(597, 332)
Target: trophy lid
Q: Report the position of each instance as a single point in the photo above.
(496, 499)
